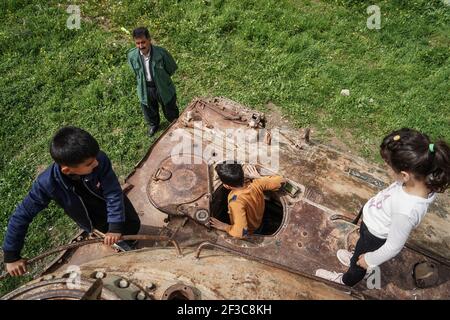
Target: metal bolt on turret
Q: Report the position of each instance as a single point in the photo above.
(123, 283)
(141, 295)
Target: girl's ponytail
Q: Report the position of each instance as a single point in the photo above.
(438, 179)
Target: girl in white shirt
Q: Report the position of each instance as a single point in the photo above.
(420, 169)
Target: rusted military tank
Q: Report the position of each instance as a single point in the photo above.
(175, 190)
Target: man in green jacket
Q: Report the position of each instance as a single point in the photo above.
(153, 67)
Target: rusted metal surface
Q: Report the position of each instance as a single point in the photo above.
(185, 184)
(76, 285)
(183, 189)
(217, 275)
(179, 292)
(316, 222)
(334, 185)
(310, 241)
(94, 292)
(57, 289)
(273, 264)
(82, 243)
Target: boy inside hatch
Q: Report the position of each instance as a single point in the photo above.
(246, 200)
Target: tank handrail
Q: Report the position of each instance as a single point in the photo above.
(92, 241)
(351, 291)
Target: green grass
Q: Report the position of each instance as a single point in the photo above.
(296, 54)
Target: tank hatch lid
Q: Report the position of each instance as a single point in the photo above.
(179, 185)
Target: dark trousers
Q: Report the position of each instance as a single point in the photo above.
(131, 225)
(265, 222)
(151, 111)
(367, 243)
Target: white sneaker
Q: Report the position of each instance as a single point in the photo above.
(344, 257)
(329, 275)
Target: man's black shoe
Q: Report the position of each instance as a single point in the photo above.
(152, 131)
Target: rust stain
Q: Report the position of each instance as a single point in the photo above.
(332, 184)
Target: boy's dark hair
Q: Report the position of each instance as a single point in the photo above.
(231, 173)
(141, 32)
(72, 146)
(411, 151)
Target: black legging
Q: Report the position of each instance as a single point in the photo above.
(367, 243)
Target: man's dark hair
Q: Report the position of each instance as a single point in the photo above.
(231, 173)
(141, 32)
(72, 146)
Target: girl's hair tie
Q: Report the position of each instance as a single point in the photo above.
(431, 147)
(397, 137)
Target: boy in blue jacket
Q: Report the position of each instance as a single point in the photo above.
(82, 182)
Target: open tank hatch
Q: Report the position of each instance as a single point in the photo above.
(273, 211)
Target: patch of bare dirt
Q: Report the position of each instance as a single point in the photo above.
(275, 117)
(345, 146)
(341, 140)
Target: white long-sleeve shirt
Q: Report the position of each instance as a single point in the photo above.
(146, 62)
(392, 214)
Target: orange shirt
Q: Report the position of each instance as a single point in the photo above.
(246, 206)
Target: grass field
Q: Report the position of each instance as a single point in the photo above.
(295, 54)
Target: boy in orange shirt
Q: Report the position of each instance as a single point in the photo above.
(245, 201)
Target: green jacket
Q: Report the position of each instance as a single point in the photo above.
(162, 67)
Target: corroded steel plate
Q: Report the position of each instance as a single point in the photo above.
(173, 184)
(316, 222)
